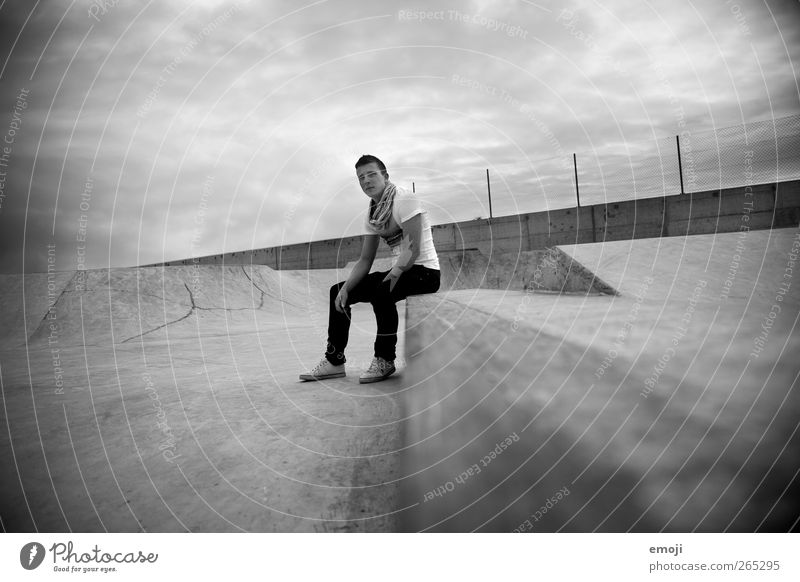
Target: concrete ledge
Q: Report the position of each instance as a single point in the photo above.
(762, 206)
(549, 270)
(490, 441)
(525, 412)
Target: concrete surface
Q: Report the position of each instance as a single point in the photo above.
(671, 407)
(168, 400)
(549, 270)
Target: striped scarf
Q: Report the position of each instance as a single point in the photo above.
(380, 213)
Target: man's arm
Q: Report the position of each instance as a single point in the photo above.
(369, 248)
(413, 228)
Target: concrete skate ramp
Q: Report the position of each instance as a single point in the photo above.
(167, 399)
(671, 407)
(742, 263)
(549, 270)
(26, 301)
(546, 271)
(122, 305)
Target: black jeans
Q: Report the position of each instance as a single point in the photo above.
(416, 281)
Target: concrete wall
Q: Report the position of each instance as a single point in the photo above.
(758, 207)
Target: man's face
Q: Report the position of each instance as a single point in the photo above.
(371, 179)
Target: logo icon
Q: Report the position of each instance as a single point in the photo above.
(31, 555)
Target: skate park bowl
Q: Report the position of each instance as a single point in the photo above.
(667, 403)
(167, 399)
(645, 385)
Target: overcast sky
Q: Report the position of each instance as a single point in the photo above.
(165, 130)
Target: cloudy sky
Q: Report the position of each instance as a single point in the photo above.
(136, 132)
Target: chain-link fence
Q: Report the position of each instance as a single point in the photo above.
(751, 153)
(694, 161)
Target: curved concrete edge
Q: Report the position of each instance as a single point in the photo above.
(204, 423)
(515, 428)
(473, 460)
(27, 301)
(565, 274)
(128, 304)
(549, 270)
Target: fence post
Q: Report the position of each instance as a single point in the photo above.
(680, 167)
(489, 189)
(413, 188)
(577, 191)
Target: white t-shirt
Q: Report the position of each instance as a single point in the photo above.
(406, 205)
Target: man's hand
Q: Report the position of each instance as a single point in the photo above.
(341, 300)
(392, 277)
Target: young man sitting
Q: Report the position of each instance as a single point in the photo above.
(395, 215)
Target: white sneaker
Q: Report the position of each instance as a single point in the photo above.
(379, 369)
(323, 371)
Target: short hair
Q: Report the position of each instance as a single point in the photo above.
(368, 159)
